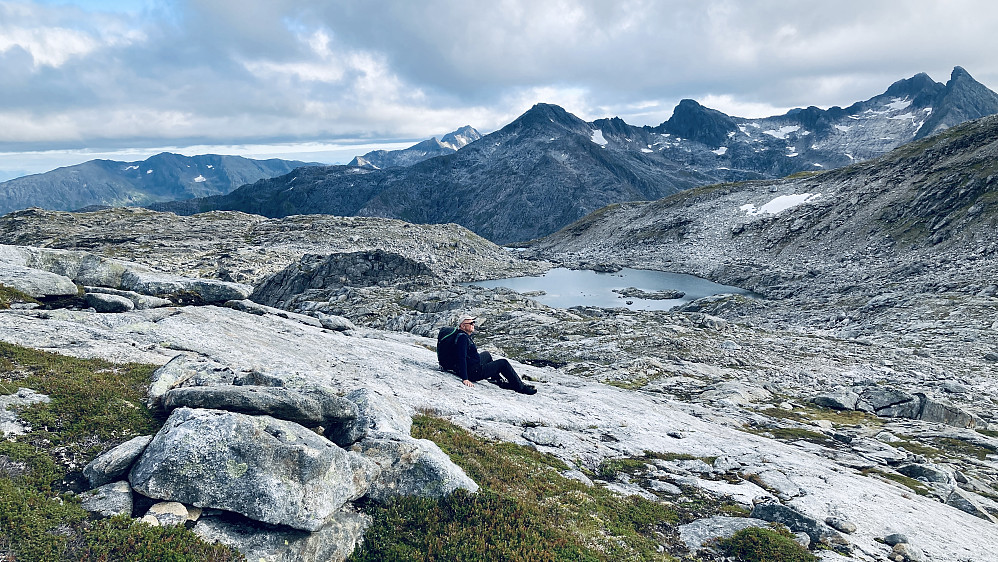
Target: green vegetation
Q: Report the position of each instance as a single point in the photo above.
(988, 432)
(910, 483)
(9, 296)
(525, 510)
(94, 405)
(757, 544)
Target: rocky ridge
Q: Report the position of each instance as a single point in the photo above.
(163, 177)
(549, 168)
(684, 382)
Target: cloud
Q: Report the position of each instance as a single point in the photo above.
(265, 71)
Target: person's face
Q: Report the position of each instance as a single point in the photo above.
(468, 326)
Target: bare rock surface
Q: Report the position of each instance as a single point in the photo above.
(108, 500)
(587, 409)
(333, 542)
(114, 464)
(266, 469)
(36, 283)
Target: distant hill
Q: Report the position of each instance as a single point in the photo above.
(548, 167)
(449, 143)
(163, 177)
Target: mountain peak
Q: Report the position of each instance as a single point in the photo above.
(690, 120)
(962, 99)
(544, 114)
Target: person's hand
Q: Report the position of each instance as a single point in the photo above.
(468, 383)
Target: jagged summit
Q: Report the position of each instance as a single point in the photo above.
(962, 99)
(546, 116)
(690, 120)
(423, 150)
(548, 167)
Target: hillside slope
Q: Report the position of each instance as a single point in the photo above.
(163, 177)
(548, 167)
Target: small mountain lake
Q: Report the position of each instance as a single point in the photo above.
(565, 288)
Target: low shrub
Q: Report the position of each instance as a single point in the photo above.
(757, 544)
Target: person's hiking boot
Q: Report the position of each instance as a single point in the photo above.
(527, 389)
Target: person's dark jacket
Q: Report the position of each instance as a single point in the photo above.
(468, 359)
(457, 353)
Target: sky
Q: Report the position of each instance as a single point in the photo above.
(326, 80)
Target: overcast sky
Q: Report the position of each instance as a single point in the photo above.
(325, 80)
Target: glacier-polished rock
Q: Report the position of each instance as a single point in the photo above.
(266, 469)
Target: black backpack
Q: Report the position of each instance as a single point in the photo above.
(447, 347)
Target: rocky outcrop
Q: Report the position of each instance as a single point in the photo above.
(267, 469)
(89, 269)
(325, 273)
(114, 464)
(275, 489)
(895, 403)
(316, 406)
(36, 283)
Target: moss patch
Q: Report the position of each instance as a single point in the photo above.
(525, 510)
(757, 544)
(910, 483)
(9, 296)
(94, 406)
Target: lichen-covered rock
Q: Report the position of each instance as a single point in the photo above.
(376, 413)
(890, 403)
(267, 469)
(102, 302)
(111, 499)
(141, 302)
(794, 520)
(333, 542)
(698, 532)
(837, 399)
(412, 467)
(310, 407)
(114, 464)
(169, 513)
(35, 282)
(185, 370)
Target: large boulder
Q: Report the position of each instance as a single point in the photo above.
(267, 469)
(114, 498)
(841, 399)
(310, 407)
(412, 467)
(317, 272)
(965, 501)
(889, 403)
(185, 370)
(376, 414)
(35, 282)
(941, 412)
(103, 302)
(697, 533)
(334, 542)
(140, 301)
(794, 520)
(114, 464)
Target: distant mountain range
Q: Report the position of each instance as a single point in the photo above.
(448, 144)
(548, 167)
(163, 177)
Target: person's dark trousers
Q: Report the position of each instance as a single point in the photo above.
(491, 369)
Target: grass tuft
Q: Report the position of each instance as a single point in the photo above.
(94, 406)
(757, 544)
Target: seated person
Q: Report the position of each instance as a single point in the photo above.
(456, 353)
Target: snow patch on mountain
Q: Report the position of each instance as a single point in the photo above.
(779, 204)
(782, 132)
(200, 179)
(720, 151)
(598, 138)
